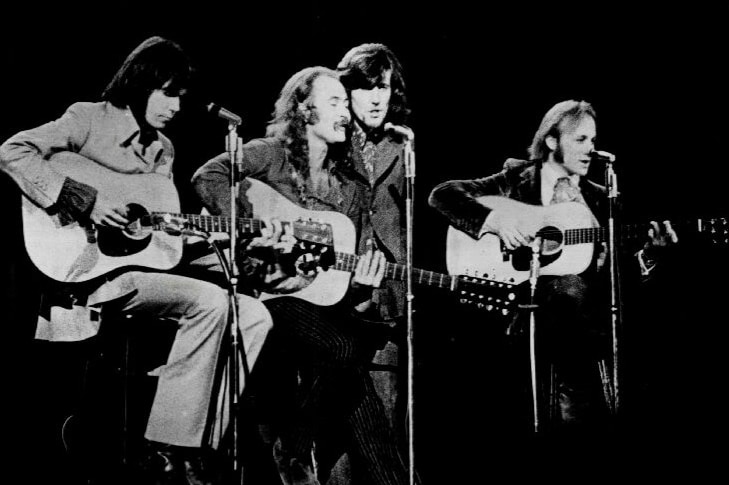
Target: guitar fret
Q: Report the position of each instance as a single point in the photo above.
(348, 262)
(207, 223)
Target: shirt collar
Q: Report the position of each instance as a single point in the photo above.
(361, 136)
(129, 128)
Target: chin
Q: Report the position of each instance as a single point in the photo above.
(337, 139)
(374, 123)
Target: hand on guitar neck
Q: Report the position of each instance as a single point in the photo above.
(368, 274)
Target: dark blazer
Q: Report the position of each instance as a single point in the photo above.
(265, 159)
(519, 180)
(384, 202)
(384, 214)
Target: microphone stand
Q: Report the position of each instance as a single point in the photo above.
(611, 183)
(230, 269)
(409, 156)
(534, 267)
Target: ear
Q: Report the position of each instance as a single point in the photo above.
(551, 142)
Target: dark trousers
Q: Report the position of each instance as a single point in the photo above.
(572, 328)
(335, 399)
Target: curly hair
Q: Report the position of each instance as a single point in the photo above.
(570, 110)
(293, 112)
(152, 64)
(364, 67)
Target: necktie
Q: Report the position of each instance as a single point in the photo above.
(564, 191)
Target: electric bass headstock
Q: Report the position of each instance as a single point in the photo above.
(493, 296)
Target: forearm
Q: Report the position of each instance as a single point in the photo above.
(458, 201)
(74, 202)
(212, 184)
(24, 157)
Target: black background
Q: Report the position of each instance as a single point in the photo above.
(479, 79)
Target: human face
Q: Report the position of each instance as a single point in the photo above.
(162, 106)
(370, 105)
(575, 145)
(330, 110)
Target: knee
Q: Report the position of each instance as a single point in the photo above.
(212, 299)
(254, 316)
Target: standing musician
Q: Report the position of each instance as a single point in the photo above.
(304, 158)
(374, 81)
(569, 305)
(120, 135)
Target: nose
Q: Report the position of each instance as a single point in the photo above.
(344, 111)
(376, 96)
(174, 104)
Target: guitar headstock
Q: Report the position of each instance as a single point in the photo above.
(493, 296)
(313, 232)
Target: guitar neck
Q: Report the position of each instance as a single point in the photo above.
(398, 272)
(717, 228)
(207, 223)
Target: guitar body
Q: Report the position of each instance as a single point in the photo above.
(329, 286)
(487, 258)
(75, 253)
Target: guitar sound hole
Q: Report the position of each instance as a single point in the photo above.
(136, 229)
(133, 239)
(552, 239)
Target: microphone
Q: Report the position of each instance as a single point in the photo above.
(603, 156)
(400, 130)
(221, 112)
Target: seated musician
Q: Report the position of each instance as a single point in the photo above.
(572, 309)
(304, 158)
(119, 137)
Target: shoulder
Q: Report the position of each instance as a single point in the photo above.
(517, 165)
(393, 140)
(88, 109)
(264, 147)
(516, 170)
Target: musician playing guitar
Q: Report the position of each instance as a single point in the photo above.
(517, 202)
(304, 158)
(119, 139)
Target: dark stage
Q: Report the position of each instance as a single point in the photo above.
(479, 79)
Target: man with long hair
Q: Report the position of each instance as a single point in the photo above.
(374, 81)
(121, 134)
(373, 77)
(304, 158)
(572, 315)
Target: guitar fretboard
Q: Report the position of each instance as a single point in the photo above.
(207, 223)
(631, 232)
(348, 262)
